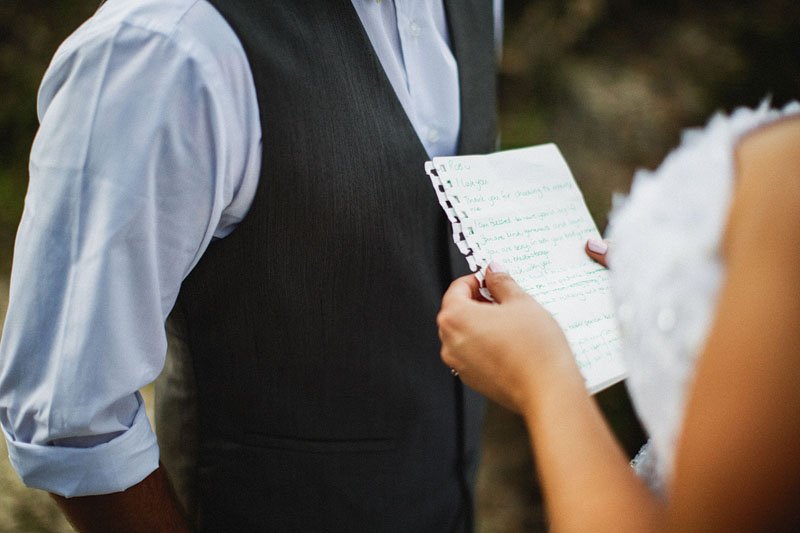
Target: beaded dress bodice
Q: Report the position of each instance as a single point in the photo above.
(667, 270)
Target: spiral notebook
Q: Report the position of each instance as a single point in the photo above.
(523, 208)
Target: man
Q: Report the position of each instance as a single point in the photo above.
(255, 170)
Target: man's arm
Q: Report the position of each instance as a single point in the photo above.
(148, 506)
(146, 134)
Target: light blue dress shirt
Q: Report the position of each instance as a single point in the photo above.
(149, 147)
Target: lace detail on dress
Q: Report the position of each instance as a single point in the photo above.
(644, 464)
(666, 270)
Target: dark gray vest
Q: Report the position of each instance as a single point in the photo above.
(323, 404)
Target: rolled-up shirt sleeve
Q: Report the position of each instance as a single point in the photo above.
(146, 151)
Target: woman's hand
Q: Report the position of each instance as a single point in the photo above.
(501, 349)
(597, 250)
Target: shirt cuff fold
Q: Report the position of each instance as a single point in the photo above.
(109, 467)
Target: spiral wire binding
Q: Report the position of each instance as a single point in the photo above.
(463, 230)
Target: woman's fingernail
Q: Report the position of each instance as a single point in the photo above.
(598, 247)
(494, 266)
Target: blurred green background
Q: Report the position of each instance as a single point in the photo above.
(612, 82)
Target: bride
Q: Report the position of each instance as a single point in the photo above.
(705, 270)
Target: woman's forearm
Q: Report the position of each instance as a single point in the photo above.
(588, 482)
(515, 353)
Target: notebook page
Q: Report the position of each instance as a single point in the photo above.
(523, 208)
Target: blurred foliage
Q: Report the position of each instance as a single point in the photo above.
(732, 51)
(30, 32)
(613, 82)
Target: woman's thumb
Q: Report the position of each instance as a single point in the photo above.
(500, 284)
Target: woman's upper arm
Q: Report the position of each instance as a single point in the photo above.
(736, 465)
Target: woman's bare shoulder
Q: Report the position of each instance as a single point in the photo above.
(771, 150)
(766, 208)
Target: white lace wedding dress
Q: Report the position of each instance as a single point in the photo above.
(666, 271)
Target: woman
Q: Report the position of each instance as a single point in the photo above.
(705, 274)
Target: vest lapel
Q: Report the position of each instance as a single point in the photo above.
(469, 33)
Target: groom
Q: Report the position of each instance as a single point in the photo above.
(322, 403)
